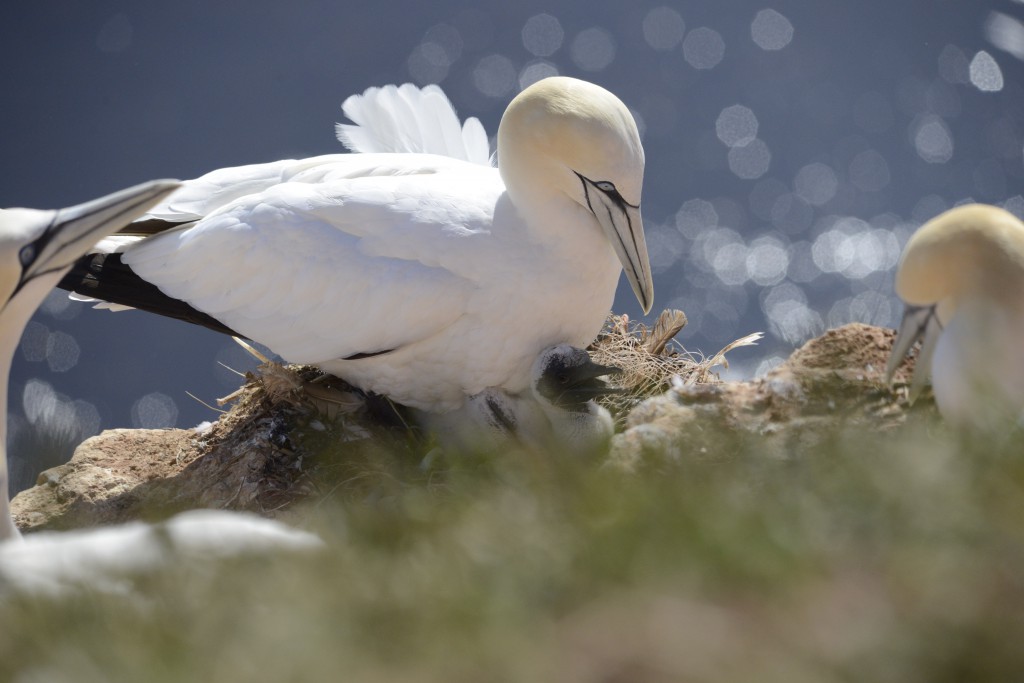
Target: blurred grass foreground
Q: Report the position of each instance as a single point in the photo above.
(866, 555)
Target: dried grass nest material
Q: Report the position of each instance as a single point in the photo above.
(651, 357)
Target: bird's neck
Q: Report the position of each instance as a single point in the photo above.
(8, 343)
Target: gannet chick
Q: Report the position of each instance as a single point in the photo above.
(36, 249)
(421, 277)
(961, 277)
(557, 414)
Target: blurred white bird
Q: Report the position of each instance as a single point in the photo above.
(36, 249)
(108, 559)
(962, 279)
(558, 412)
(422, 277)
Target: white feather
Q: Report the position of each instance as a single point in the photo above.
(405, 118)
(107, 559)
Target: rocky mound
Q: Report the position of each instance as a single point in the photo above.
(291, 434)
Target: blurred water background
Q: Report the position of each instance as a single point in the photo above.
(792, 148)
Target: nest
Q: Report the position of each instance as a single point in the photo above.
(652, 360)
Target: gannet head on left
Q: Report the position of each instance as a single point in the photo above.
(962, 279)
(36, 249)
(570, 137)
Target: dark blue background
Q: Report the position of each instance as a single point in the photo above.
(100, 95)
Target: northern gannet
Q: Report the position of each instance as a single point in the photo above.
(36, 249)
(961, 277)
(558, 413)
(422, 277)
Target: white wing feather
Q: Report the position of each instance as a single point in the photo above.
(410, 119)
(372, 250)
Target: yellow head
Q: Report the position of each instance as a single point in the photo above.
(568, 138)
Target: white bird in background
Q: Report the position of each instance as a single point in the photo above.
(422, 277)
(962, 279)
(106, 559)
(36, 249)
(558, 413)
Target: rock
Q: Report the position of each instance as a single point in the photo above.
(104, 481)
(835, 380)
(284, 440)
(258, 456)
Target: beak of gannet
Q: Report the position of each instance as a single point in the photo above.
(919, 322)
(73, 230)
(571, 386)
(624, 228)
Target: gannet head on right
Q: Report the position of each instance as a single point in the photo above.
(962, 279)
(570, 137)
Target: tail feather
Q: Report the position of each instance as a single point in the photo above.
(105, 277)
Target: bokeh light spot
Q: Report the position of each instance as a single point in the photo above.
(750, 161)
(542, 35)
(771, 30)
(986, 75)
(663, 28)
(593, 49)
(154, 411)
(703, 48)
(736, 125)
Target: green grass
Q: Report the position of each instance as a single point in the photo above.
(875, 557)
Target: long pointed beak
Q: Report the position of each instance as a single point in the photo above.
(624, 228)
(77, 228)
(919, 322)
(586, 384)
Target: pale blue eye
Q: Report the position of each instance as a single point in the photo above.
(605, 186)
(27, 255)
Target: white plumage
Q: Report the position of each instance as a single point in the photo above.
(962, 278)
(36, 249)
(423, 277)
(410, 119)
(108, 559)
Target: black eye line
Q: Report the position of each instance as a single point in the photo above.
(617, 199)
(932, 314)
(586, 191)
(613, 193)
(37, 245)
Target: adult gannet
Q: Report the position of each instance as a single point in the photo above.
(557, 413)
(36, 249)
(962, 280)
(418, 276)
